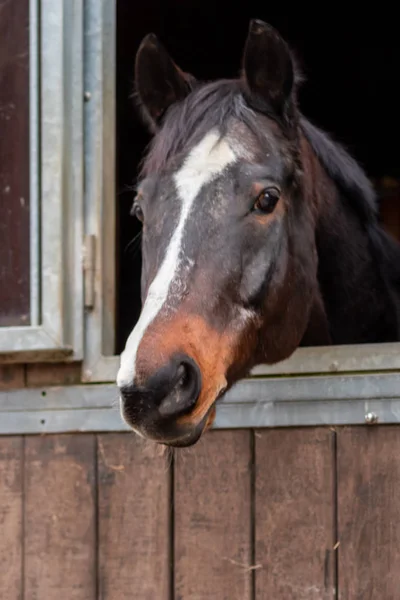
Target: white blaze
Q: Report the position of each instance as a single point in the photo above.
(205, 162)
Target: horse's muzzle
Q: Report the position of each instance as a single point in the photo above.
(153, 409)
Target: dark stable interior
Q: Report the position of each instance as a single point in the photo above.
(350, 62)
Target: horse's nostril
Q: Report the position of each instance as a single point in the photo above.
(184, 392)
(182, 374)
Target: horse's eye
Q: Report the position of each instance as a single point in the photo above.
(137, 212)
(267, 200)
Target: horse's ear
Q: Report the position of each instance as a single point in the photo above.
(267, 67)
(158, 81)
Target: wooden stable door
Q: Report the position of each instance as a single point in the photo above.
(300, 513)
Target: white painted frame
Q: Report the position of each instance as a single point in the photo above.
(100, 365)
(56, 184)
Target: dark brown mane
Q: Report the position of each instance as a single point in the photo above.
(359, 195)
(343, 170)
(186, 122)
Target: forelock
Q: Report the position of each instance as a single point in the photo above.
(209, 107)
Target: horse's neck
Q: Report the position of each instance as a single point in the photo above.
(355, 296)
(357, 304)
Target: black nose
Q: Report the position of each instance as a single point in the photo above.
(170, 392)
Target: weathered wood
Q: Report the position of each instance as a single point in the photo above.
(134, 518)
(43, 374)
(294, 498)
(60, 552)
(12, 377)
(390, 214)
(11, 485)
(369, 512)
(212, 515)
(14, 163)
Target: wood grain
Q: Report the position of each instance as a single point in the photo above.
(294, 500)
(12, 376)
(43, 374)
(212, 514)
(369, 512)
(11, 507)
(390, 214)
(14, 163)
(60, 552)
(134, 518)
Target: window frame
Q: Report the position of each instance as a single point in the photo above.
(56, 199)
(100, 364)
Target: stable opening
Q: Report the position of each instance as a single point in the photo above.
(351, 67)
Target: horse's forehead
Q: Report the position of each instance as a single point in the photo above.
(204, 162)
(210, 157)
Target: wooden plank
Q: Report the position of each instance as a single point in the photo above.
(369, 512)
(60, 554)
(294, 498)
(134, 516)
(12, 377)
(213, 518)
(14, 163)
(390, 211)
(11, 456)
(44, 374)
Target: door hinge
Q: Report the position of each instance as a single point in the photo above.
(89, 259)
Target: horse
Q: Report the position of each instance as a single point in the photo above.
(260, 234)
